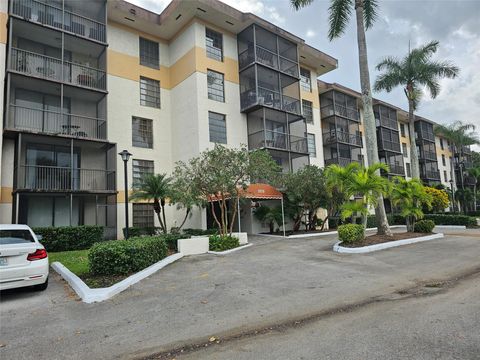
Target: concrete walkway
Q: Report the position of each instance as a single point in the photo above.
(202, 296)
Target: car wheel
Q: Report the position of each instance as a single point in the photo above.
(41, 287)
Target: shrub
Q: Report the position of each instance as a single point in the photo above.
(139, 231)
(424, 226)
(200, 232)
(350, 233)
(440, 199)
(392, 220)
(454, 219)
(68, 238)
(119, 257)
(222, 243)
(171, 240)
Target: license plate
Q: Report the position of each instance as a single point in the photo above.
(3, 261)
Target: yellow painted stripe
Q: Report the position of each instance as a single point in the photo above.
(6, 196)
(311, 96)
(3, 28)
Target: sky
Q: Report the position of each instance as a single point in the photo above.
(454, 23)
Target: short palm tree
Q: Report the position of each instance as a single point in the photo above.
(414, 72)
(410, 197)
(269, 215)
(340, 12)
(155, 188)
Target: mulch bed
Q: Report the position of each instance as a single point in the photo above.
(378, 239)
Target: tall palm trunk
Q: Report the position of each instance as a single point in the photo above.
(413, 144)
(452, 178)
(368, 117)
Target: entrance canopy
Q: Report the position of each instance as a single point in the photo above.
(255, 191)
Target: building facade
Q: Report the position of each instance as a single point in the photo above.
(82, 83)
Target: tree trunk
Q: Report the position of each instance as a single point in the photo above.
(184, 219)
(368, 118)
(413, 144)
(324, 222)
(234, 215)
(165, 230)
(452, 178)
(157, 209)
(212, 209)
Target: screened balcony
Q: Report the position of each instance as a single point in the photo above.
(39, 110)
(424, 131)
(388, 140)
(340, 130)
(334, 103)
(85, 21)
(257, 45)
(385, 117)
(395, 164)
(427, 152)
(342, 155)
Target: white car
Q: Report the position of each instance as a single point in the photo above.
(23, 260)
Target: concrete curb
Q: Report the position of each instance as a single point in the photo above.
(89, 295)
(450, 227)
(376, 247)
(322, 233)
(241, 247)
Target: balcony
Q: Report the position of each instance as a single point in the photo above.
(278, 141)
(54, 178)
(430, 175)
(386, 122)
(334, 136)
(387, 145)
(271, 99)
(267, 58)
(54, 123)
(341, 161)
(428, 155)
(394, 169)
(49, 68)
(340, 110)
(41, 13)
(423, 135)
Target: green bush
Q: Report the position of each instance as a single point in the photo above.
(350, 233)
(454, 219)
(392, 220)
(424, 226)
(200, 232)
(68, 238)
(171, 240)
(139, 231)
(222, 243)
(119, 257)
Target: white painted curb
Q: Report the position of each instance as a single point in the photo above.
(298, 236)
(241, 247)
(386, 245)
(89, 295)
(450, 227)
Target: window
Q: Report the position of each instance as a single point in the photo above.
(214, 44)
(312, 148)
(445, 175)
(216, 87)
(217, 128)
(149, 54)
(149, 92)
(402, 129)
(441, 143)
(409, 170)
(307, 111)
(404, 150)
(142, 133)
(140, 169)
(305, 80)
(143, 215)
(444, 163)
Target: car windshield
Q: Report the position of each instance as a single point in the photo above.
(17, 236)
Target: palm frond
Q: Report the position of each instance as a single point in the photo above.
(370, 12)
(339, 15)
(298, 4)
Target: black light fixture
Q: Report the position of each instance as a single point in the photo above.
(125, 155)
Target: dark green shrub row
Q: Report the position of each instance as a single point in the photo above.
(424, 226)
(171, 240)
(139, 231)
(454, 219)
(119, 257)
(473, 213)
(393, 219)
(222, 243)
(67, 238)
(200, 232)
(350, 233)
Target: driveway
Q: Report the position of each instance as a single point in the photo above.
(197, 297)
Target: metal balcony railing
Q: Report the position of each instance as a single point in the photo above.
(50, 68)
(55, 178)
(428, 155)
(298, 144)
(333, 136)
(50, 122)
(45, 14)
(390, 146)
(386, 122)
(395, 169)
(349, 113)
(268, 139)
(291, 104)
(342, 161)
(430, 174)
(270, 98)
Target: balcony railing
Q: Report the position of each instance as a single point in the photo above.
(341, 161)
(390, 146)
(334, 136)
(291, 104)
(428, 155)
(430, 174)
(386, 122)
(277, 140)
(395, 169)
(50, 68)
(298, 144)
(54, 178)
(270, 98)
(268, 58)
(423, 135)
(39, 12)
(349, 113)
(50, 122)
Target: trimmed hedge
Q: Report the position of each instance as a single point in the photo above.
(350, 233)
(424, 226)
(222, 243)
(200, 232)
(66, 238)
(139, 231)
(454, 219)
(171, 240)
(392, 220)
(120, 257)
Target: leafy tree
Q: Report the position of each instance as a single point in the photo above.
(269, 215)
(186, 197)
(156, 188)
(340, 12)
(475, 173)
(410, 196)
(440, 199)
(222, 174)
(465, 197)
(306, 192)
(414, 72)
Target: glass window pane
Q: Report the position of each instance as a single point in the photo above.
(307, 111)
(143, 215)
(140, 169)
(305, 80)
(216, 89)
(217, 128)
(214, 44)
(142, 132)
(149, 92)
(149, 53)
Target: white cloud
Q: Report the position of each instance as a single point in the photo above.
(310, 33)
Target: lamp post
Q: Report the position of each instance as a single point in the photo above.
(125, 155)
(453, 194)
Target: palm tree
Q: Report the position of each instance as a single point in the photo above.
(340, 12)
(414, 72)
(459, 136)
(269, 215)
(157, 188)
(475, 173)
(410, 196)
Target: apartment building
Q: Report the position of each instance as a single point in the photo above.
(85, 82)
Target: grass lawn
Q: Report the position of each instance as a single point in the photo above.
(76, 261)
